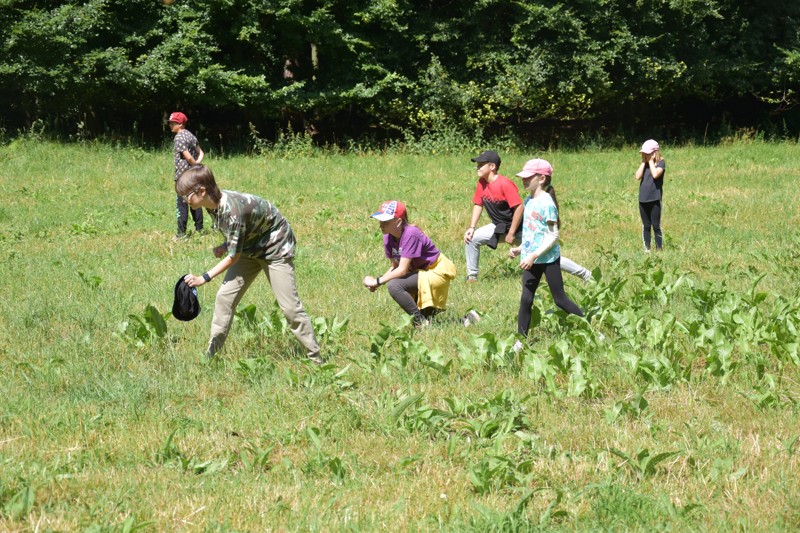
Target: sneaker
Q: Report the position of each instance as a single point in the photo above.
(317, 359)
(180, 237)
(472, 279)
(471, 318)
(421, 323)
(517, 347)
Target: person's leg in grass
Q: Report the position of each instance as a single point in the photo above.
(237, 280)
(197, 217)
(530, 282)
(182, 215)
(655, 216)
(571, 267)
(555, 281)
(480, 237)
(644, 213)
(281, 277)
(404, 292)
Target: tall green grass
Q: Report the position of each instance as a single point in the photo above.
(682, 415)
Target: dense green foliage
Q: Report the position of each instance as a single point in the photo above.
(392, 67)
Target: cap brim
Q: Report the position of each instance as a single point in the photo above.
(381, 217)
(525, 174)
(479, 160)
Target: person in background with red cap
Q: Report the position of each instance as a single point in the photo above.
(539, 252)
(419, 275)
(650, 176)
(187, 153)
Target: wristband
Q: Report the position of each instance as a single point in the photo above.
(471, 227)
(206, 277)
(378, 280)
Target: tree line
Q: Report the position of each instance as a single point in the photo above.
(391, 68)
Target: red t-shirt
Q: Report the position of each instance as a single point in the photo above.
(499, 198)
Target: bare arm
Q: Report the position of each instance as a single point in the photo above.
(200, 155)
(188, 157)
(657, 172)
(473, 222)
(515, 221)
(639, 174)
(397, 270)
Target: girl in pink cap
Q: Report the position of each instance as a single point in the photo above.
(650, 176)
(539, 252)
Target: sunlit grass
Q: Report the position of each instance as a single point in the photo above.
(438, 429)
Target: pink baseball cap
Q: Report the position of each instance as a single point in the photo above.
(649, 147)
(535, 166)
(390, 209)
(178, 117)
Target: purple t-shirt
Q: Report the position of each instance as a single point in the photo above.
(414, 245)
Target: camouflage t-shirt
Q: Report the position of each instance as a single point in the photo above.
(253, 227)
(184, 140)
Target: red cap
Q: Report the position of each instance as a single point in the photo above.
(390, 209)
(178, 117)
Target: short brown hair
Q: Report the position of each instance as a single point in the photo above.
(195, 177)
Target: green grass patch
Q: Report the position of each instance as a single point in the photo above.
(674, 406)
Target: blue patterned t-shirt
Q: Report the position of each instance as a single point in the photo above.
(538, 212)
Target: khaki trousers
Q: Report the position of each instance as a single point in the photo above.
(280, 274)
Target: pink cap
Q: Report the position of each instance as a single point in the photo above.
(178, 117)
(390, 209)
(649, 147)
(535, 166)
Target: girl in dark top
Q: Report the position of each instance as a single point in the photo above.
(650, 176)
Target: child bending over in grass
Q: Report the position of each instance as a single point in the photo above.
(257, 239)
(419, 275)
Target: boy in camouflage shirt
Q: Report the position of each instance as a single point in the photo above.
(257, 238)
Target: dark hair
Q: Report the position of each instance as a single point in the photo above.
(195, 177)
(548, 188)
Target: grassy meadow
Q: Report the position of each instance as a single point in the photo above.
(674, 406)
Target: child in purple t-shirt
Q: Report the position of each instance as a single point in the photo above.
(419, 275)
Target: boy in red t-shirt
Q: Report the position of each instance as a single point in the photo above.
(500, 197)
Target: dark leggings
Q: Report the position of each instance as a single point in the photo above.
(530, 281)
(404, 292)
(183, 216)
(651, 216)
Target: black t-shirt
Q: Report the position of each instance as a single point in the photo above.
(650, 189)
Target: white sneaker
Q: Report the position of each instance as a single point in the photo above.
(470, 318)
(517, 347)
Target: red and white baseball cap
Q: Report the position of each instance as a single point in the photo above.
(649, 147)
(535, 166)
(390, 209)
(178, 117)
